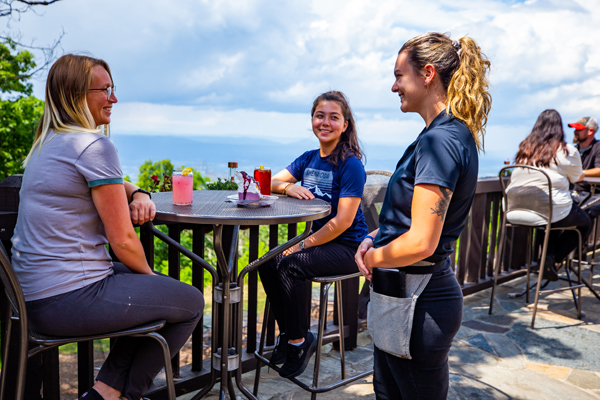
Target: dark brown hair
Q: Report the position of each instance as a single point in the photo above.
(547, 137)
(348, 145)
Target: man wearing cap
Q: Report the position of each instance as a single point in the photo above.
(589, 148)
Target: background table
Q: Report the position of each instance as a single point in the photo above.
(589, 201)
(211, 208)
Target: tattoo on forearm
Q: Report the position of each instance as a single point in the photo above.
(441, 206)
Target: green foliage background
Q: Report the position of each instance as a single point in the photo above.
(159, 168)
(20, 112)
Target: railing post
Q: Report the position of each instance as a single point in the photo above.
(174, 272)
(198, 238)
(253, 245)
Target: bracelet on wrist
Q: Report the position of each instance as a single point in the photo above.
(370, 237)
(286, 188)
(138, 190)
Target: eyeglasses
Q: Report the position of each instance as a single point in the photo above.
(109, 91)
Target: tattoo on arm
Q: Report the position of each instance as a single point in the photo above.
(441, 206)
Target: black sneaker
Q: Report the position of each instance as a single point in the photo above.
(280, 352)
(298, 356)
(550, 272)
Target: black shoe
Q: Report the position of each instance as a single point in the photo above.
(298, 356)
(550, 272)
(281, 351)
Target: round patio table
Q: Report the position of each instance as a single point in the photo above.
(211, 207)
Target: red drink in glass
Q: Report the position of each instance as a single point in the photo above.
(263, 177)
(183, 188)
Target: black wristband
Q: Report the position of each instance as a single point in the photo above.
(140, 190)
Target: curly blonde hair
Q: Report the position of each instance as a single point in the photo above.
(462, 69)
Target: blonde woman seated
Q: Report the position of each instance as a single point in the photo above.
(546, 148)
(74, 201)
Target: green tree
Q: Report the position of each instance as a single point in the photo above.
(148, 169)
(18, 121)
(20, 112)
(16, 68)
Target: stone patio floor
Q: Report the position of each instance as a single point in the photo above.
(493, 356)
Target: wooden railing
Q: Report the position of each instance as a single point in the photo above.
(473, 264)
(478, 243)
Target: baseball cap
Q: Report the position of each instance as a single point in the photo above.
(585, 123)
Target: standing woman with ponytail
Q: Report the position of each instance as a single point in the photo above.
(427, 204)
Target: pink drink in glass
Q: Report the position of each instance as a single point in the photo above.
(183, 186)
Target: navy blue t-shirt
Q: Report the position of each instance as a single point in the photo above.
(444, 154)
(329, 183)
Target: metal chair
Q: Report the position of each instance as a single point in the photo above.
(537, 201)
(31, 343)
(374, 192)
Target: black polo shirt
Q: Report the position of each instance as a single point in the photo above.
(590, 158)
(443, 154)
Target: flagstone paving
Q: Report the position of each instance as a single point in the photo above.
(494, 356)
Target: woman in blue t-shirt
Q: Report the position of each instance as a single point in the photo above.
(426, 207)
(333, 173)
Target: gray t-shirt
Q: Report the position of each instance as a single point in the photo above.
(59, 240)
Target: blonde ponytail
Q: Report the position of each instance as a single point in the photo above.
(462, 69)
(468, 97)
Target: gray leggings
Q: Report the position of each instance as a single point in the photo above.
(123, 300)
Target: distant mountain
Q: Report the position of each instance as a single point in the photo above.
(210, 154)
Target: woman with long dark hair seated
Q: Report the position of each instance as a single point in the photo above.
(333, 173)
(546, 148)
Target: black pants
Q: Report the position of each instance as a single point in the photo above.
(561, 243)
(437, 318)
(284, 280)
(120, 301)
(593, 211)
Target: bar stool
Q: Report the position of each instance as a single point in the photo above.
(534, 201)
(314, 389)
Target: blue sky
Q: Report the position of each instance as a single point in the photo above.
(239, 69)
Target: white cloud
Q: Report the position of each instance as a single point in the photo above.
(165, 119)
(378, 129)
(205, 75)
(253, 68)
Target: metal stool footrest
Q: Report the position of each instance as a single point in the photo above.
(326, 283)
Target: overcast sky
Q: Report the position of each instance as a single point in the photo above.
(252, 68)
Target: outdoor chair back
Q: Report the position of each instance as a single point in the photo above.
(530, 205)
(373, 195)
